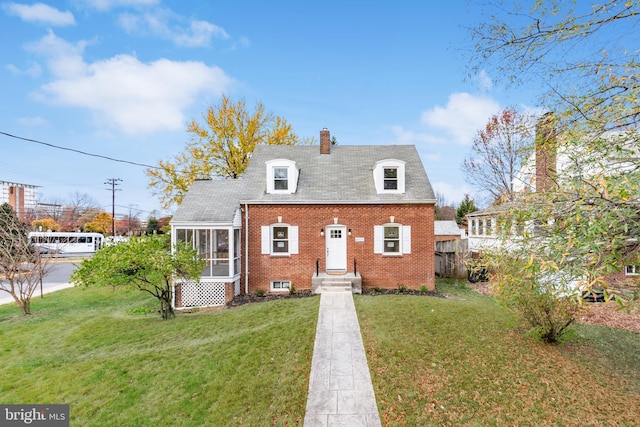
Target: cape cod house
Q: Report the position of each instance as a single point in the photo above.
(309, 217)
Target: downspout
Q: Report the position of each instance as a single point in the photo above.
(246, 249)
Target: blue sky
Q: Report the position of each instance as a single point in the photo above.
(120, 78)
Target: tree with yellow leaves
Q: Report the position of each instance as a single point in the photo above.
(101, 223)
(221, 146)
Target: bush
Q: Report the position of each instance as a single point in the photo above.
(260, 293)
(544, 300)
(401, 288)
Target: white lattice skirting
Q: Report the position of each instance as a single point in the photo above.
(195, 294)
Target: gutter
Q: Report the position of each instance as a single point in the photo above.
(246, 249)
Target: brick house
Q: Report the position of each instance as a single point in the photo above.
(308, 218)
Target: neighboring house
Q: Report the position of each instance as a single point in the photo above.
(545, 168)
(21, 197)
(309, 217)
(451, 248)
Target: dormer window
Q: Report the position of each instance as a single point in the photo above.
(280, 179)
(282, 176)
(389, 176)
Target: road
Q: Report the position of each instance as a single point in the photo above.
(56, 279)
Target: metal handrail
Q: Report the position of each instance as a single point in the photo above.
(317, 267)
(355, 269)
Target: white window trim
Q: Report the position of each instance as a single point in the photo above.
(635, 272)
(378, 175)
(404, 239)
(282, 289)
(267, 240)
(292, 175)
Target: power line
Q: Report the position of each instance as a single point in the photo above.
(84, 153)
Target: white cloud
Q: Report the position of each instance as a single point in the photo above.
(63, 59)
(485, 82)
(124, 92)
(406, 136)
(462, 117)
(34, 70)
(452, 193)
(40, 12)
(167, 25)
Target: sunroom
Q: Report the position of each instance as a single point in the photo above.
(219, 246)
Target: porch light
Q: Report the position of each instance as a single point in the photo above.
(322, 231)
(349, 232)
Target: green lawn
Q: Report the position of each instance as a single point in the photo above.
(434, 361)
(88, 348)
(462, 361)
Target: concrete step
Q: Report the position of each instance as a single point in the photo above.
(333, 285)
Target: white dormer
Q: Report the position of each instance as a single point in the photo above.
(388, 176)
(282, 176)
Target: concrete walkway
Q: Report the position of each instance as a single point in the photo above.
(340, 389)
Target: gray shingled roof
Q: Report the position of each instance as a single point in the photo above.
(344, 176)
(214, 200)
(446, 228)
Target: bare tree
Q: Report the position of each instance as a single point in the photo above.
(20, 263)
(445, 210)
(498, 153)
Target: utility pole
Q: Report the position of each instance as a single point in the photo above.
(113, 182)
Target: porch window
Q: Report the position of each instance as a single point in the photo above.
(214, 246)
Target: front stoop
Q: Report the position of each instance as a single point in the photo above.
(324, 282)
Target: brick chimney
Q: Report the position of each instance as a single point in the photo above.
(545, 153)
(325, 141)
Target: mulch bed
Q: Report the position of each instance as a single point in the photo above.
(246, 299)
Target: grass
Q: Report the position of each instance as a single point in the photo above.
(461, 360)
(110, 357)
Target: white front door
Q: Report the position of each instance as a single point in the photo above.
(336, 248)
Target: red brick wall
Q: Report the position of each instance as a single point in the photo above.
(412, 270)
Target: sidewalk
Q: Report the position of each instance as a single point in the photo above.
(55, 287)
(340, 389)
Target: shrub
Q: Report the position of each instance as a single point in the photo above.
(544, 299)
(401, 288)
(423, 289)
(260, 293)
